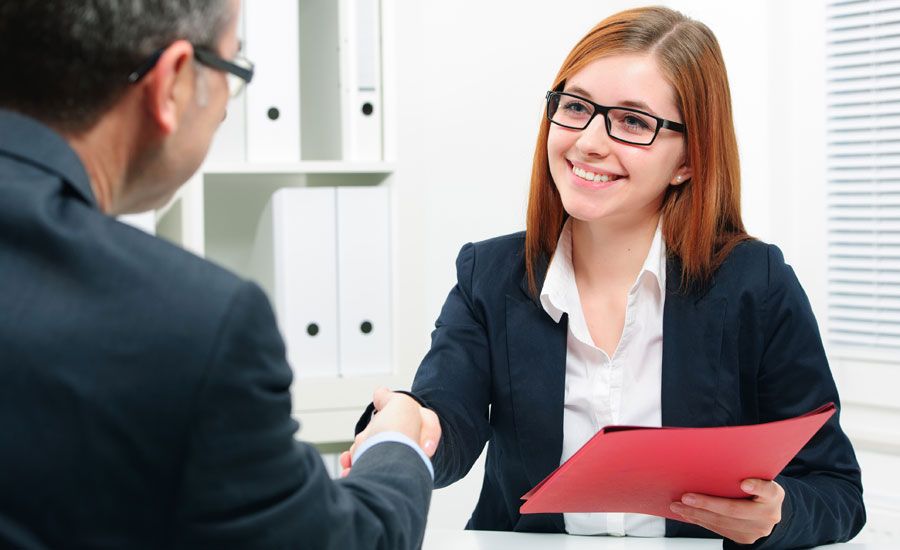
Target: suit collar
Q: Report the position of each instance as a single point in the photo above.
(672, 277)
(692, 332)
(673, 282)
(559, 292)
(692, 342)
(540, 274)
(27, 140)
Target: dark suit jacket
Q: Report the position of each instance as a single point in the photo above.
(744, 350)
(144, 392)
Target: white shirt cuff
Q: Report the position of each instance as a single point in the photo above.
(395, 437)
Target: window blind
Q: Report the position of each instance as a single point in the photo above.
(863, 174)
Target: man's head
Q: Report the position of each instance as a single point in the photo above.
(67, 63)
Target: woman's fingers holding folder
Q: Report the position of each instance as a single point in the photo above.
(742, 520)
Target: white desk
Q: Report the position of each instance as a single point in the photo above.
(447, 539)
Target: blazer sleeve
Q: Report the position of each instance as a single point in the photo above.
(454, 378)
(823, 491)
(247, 482)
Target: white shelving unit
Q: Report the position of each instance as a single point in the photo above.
(216, 213)
(311, 167)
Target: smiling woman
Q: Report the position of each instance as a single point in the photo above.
(677, 65)
(628, 154)
(635, 296)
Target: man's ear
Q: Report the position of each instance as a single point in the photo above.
(170, 85)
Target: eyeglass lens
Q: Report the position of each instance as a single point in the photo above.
(620, 123)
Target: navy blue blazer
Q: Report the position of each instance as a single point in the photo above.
(144, 392)
(744, 350)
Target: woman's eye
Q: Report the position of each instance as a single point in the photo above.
(636, 122)
(575, 107)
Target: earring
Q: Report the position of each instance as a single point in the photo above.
(678, 179)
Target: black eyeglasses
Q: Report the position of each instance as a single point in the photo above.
(239, 71)
(622, 123)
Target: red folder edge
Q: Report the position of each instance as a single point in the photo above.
(535, 503)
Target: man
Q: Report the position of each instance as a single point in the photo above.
(144, 393)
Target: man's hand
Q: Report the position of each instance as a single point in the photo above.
(397, 413)
(743, 521)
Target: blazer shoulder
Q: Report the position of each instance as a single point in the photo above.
(512, 241)
(756, 256)
(185, 271)
(754, 264)
(499, 248)
(498, 252)
(493, 263)
(173, 283)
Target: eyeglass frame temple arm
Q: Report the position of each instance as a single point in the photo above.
(216, 62)
(205, 56)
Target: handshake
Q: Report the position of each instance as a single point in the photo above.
(397, 412)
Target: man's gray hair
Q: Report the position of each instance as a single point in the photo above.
(67, 61)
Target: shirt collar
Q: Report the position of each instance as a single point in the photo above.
(655, 262)
(559, 293)
(560, 280)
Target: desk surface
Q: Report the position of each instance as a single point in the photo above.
(447, 539)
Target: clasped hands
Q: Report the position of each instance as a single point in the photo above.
(397, 412)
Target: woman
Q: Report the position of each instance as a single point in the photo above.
(635, 297)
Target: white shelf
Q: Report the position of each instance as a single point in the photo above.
(327, 427)
(216, 214)
(325, 394)
(304, 167)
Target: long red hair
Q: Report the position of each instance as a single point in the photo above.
(701, 217)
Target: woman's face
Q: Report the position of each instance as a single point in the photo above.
(637, 175)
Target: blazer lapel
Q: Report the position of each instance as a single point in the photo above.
(536, 347)
(693, 325)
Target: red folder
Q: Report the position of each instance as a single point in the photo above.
(643, 470)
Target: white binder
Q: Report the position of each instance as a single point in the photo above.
(294, 258)
(273, 99)
(364, 297)
(321, 77)
(230, 142)
(361, 79)
(145, 221)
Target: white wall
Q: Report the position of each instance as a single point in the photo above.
(467, 161)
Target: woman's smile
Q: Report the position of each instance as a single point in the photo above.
(592, 178)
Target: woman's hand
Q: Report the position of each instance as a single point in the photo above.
(743, 521)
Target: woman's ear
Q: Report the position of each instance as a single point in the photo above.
(170, 86)
(681, 175)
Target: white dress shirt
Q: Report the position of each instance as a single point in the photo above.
(602, 390)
